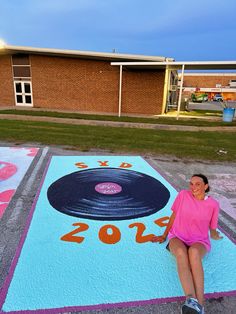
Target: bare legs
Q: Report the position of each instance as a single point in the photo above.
(189, 265)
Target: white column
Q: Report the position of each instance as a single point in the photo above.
(180, 92)
(166, 87)
(120, 90)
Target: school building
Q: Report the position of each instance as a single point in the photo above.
(104, 83)
(211, 84)
(80, 81)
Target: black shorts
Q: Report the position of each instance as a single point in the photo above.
(168, 246)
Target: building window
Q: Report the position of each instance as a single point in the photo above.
(21, 66)
(21, 71)
(22, 80)
(20, 59)
(23, 93)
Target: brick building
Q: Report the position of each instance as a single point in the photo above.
(79, 81)
(211, 84)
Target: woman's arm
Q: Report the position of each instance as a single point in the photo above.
(163, 237)
(215, 235)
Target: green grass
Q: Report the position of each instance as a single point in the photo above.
(193, 145)
(200, 113)
(195, 121)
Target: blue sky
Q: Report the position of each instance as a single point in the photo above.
(182, 29)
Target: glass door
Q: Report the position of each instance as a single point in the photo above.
(23, 93)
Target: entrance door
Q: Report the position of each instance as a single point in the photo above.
(23, 93)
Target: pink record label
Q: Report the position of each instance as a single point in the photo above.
(108, 188)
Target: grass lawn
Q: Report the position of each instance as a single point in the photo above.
(192, 117)
(194, 145)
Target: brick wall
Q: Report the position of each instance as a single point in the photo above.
(6, 82)
(74, 84)
(93, 86)
(207, 81)
(142, 92)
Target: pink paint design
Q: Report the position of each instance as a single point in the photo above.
(5, 198)
(32, 151)
(7, 171)
(2, 208)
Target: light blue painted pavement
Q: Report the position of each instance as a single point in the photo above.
(52, 273)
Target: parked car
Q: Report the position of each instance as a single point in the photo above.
(232, 84)
(196, 97)
(218, 97)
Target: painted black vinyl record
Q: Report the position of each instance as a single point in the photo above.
(108, 194)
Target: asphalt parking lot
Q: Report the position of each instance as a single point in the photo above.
(222, 176)
(210, 105)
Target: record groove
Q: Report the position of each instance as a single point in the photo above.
(108, 194)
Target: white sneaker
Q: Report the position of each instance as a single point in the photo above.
(191, 306)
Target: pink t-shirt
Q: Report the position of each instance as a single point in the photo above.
(194, 218)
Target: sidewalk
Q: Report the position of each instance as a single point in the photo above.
(118, 124)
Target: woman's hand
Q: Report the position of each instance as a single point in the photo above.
(159, 239)
(215, 235)
(163, 237)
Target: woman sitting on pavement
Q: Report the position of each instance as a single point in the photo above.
(194, 215)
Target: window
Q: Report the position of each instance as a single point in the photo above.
(20, 59)
(22, 80)
(21, 66)
(21, 71)
(23, 93)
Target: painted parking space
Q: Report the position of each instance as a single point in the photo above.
(224, 185)
(14, 162)
(74, 258)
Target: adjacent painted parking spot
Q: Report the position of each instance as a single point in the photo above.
(14, 162)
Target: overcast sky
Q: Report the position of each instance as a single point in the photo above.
(181, 29)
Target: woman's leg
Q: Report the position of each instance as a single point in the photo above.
(180, 251)
(195, 255)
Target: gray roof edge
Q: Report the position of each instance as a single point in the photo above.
(79, 53)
